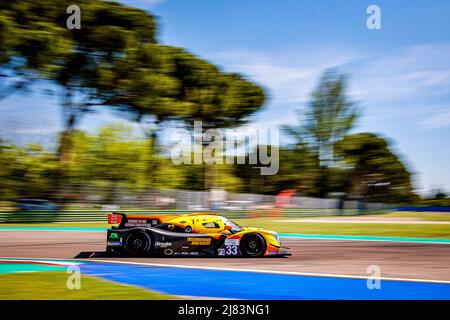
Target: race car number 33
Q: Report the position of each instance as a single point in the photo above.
(231, 248)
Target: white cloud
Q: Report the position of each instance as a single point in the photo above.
(288, 78)
(437, 121)
(403, 83)
(408, 74)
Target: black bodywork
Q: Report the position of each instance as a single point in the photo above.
(158, 242)
(150, 236)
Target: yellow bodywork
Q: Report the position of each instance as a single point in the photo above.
(215, 225)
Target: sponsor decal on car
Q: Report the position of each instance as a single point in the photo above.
(199, 241)
(231, 242)
(114, 218)
(114, 243)
(130, 225)
(141, 222)
(113, 235)
(160, 244)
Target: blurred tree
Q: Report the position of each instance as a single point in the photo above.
(84, 63)
(114, 61)
(163, 83)
(26, 172)
(119, 158)
(438, 198)
(296, 171)
(372, 170)
(439, 195)
(91, 74)
(31, 44)
(8, 161)
(219, 100)
(329, 116)
(113, 156)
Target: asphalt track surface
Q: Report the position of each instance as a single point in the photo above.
(421, 261)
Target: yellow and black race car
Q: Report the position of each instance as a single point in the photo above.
(197, 234)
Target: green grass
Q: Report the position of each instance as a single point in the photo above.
(362, 229)
(425, 216)
(52, 286)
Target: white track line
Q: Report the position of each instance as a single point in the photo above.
(43, 261)
(294, 273)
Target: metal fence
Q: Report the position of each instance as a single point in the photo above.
(170, 199)
(95, 216)
(90, 206)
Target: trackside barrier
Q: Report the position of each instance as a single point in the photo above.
(424, 208)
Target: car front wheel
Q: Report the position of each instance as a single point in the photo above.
(253, 245)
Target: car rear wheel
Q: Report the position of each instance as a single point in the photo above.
(253, 245)
(138, 243)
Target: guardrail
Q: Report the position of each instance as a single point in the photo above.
(423, 208)
(101, 215)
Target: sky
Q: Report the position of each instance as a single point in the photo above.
(399, 75)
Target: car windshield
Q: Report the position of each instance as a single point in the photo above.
(232, 224)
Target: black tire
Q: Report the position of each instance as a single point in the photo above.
(253, 245)
(188, 229)
(138, 243)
